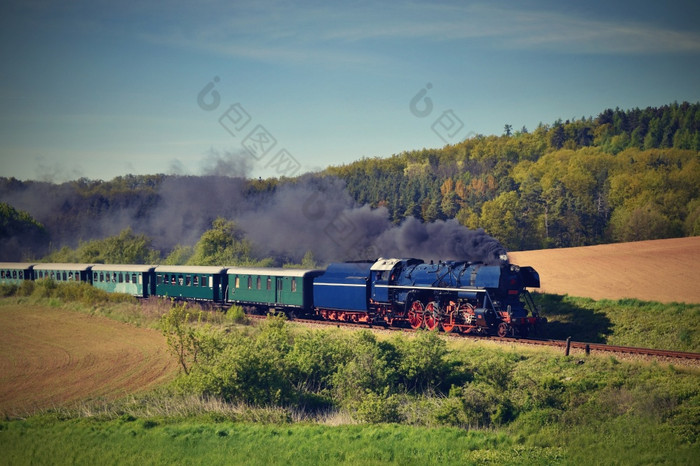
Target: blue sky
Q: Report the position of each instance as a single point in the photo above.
(99, 89)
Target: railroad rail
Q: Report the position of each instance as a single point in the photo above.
(567, 345)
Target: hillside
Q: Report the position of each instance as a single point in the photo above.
(622, 176)
(659, 270)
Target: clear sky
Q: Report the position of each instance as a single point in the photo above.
(104, 88)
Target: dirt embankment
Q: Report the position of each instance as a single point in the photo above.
(53, 357)
(659, 270)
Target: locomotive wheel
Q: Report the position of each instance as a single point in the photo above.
(431, 317)
(448, 325)
(415, 315)
(503, 329)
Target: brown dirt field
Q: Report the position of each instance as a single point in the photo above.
(659, 270)
(53, 357)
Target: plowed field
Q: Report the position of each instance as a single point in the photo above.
(661, 270)
(52, 357)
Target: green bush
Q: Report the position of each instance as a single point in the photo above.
(315, 357)
(450, 412)
(7, 289)
(371, 368)
(378, 408)
(237, 315)
(421, 361)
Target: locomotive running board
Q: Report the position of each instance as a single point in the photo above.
(433, 288)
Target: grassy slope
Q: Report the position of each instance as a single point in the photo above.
(577, 412)
(569, 411)
(627, 322)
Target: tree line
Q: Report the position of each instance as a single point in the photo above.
(623, 176)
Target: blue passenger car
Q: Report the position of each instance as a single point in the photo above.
(343, 286)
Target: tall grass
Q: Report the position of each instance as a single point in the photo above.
(151, 441)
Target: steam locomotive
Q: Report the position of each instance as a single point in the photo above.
(453, 296)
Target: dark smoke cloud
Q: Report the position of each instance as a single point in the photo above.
(178, 212)
(446, 240)
(310, 214)
(319, 216)
(314, 215)
(188, 205)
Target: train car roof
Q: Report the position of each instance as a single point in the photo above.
(62, 266)
(16, 265)
(385, 264)
(190, 269)
(124, 267)
(271, 271)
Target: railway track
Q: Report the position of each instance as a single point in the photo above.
(566, 345)
(600, 347)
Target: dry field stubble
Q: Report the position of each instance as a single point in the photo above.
(659, 270)
(54, 357)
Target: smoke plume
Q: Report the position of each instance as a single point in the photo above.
(311, 213)
(318, 215)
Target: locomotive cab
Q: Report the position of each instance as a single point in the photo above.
(384, 275)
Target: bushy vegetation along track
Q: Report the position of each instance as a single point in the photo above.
(575, 345)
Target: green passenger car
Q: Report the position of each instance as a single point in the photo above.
(191, 282)
(135, 280)
(14, 273)
(271, 288)
(63, 272)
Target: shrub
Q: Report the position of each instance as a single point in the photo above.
(7, 289)
(236, 314)
(485, 404)
(26, 288)
(315, 357)
(421, 363)
(375, 408)
(371, 368)
(450, 411)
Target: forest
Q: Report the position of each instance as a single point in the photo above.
(624, 175)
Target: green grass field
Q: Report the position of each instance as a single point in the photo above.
(128, 440)
(140, 442)
(280, 394)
